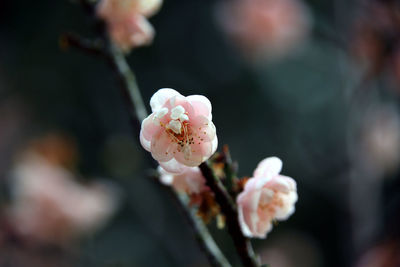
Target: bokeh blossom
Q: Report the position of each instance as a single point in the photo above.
(191, 181)
(379, 140)
(127, 21)
(265, 28)
(179, 133)
(266, 197)
(47, 205)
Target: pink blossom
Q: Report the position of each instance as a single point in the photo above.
(179, 133)
(127, 21)
(265, 28)
(48, 206)
(267, 196)
(191, 181)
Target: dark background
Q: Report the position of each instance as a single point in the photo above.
(300, 108)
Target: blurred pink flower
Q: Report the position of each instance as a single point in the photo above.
(191, 181)
(127, 21)
(265, 28)
(179, 132)
(48, 206)
(379, 140)
(267, 196)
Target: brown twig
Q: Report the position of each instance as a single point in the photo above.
(228, 169)
(73, 40)
(228, 207)
(128, 83)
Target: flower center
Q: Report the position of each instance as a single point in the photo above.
(180, 130)
(179, 113)
(178, 116)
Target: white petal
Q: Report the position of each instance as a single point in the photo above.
(162, 146)
(282, 183)
(161, 113)
(256, 183)
(214, 145)
(149, 127)
(248, 202)
(253, 218)
(146, 144)
(173, 166)
(160, 97)
(268, 167)
(245, 229)
(149, 7)
(201, 104)
(144, 34)
(165, 177)
(288, 208)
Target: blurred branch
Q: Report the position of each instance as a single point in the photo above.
(73, 40)
(117, 61)
(132, 95)
(128, 82)
(202, 235)
(228, 207)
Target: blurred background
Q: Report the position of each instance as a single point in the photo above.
(315, 83)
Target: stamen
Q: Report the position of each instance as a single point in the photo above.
(177, 112)
(175, 126)
(184, 117)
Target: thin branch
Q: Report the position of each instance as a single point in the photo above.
(205, 240)
(137, 113)
(228, 207)
(73, 40)
(202, 235)
(129, 84)
(230, 174)
(120, 67)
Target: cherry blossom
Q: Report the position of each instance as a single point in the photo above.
(179, 133)
(127, 21)
(191, 181)
(267, 196)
